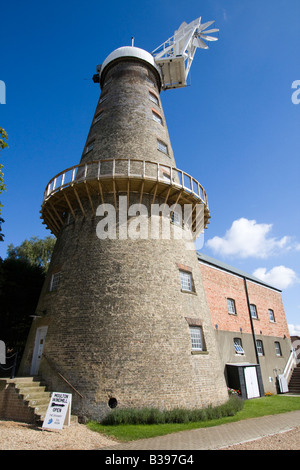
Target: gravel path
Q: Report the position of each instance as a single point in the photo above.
(20, 436)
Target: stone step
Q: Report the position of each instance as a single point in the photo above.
(29, 385)
(30, 390)
(34, 394)
(40, 401)
(36, 378)
(40, 412)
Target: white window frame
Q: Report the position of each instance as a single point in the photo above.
(89, 148)
(97, 118)
(253, 311)
(186, 281)
(162, 147)
(156, 117)
(196, 335)
(176, 218)
(55, 280)
(153, 98)
(271, 315)
(166, 176)
(231, 306)
(260, 347)
(103, 99)
(278, 348)
(237, 342)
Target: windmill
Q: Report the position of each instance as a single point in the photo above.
(120, 309)
(175, 56)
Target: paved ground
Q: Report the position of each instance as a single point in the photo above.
(220, 437)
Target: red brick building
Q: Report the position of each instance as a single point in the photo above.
(250, 326)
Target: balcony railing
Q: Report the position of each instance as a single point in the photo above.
(119, 168)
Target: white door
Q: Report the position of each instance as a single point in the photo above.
(38, 349)
(251, 382)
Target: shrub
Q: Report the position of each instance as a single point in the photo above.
(177, 415)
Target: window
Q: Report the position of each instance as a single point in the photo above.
(162, 147)
(89, 148)
(231, 306)
(153, 98)
(166, 176)
(271, 315)
(98, 117)
(196, 338)
(253, 311)
(277, 348)
(238, 346)
(156, 117)
(70, 219)
(54, 283)
(107, 82)
(260, 347)
(102, 99)
(186, 281)
(175, 218)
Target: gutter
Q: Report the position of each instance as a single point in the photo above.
(251, 321)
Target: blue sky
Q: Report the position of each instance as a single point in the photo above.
(234, 128)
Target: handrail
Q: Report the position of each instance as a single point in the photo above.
(291, 361)
(13, 366)
(50, 362)
(92, 170)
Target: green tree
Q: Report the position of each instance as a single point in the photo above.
(20, 287)
(3, 144)
(36, 251)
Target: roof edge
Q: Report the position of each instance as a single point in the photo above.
(226, 267)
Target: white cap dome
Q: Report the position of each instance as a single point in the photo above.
(129, 51)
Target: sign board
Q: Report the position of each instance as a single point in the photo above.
(58, 412)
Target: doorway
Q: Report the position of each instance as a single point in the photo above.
(38, 349)
(251, 382)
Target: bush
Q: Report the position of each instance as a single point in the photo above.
(177, 415)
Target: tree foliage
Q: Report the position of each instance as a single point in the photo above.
(36, 251)
(3, 144)
(20, 287)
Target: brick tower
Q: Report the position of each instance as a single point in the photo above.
(122, 319)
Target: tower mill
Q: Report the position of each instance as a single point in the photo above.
(123, 306)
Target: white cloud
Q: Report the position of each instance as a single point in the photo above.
(247, 238)
(294, 330)
(279, 276)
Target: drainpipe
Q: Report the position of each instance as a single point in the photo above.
(251, 322)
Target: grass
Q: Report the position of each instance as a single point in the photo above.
(252, 409)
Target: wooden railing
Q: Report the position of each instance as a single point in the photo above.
(125, 168)
(54, 368)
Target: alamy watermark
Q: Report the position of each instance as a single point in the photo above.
(2, 92)
(154, 222)
(296, 94)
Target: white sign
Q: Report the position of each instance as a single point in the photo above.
(58, 412)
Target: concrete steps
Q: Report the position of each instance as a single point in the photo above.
(34, 393)
(25, 399)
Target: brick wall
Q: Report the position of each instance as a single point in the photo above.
(220, 285)
(12, 406)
